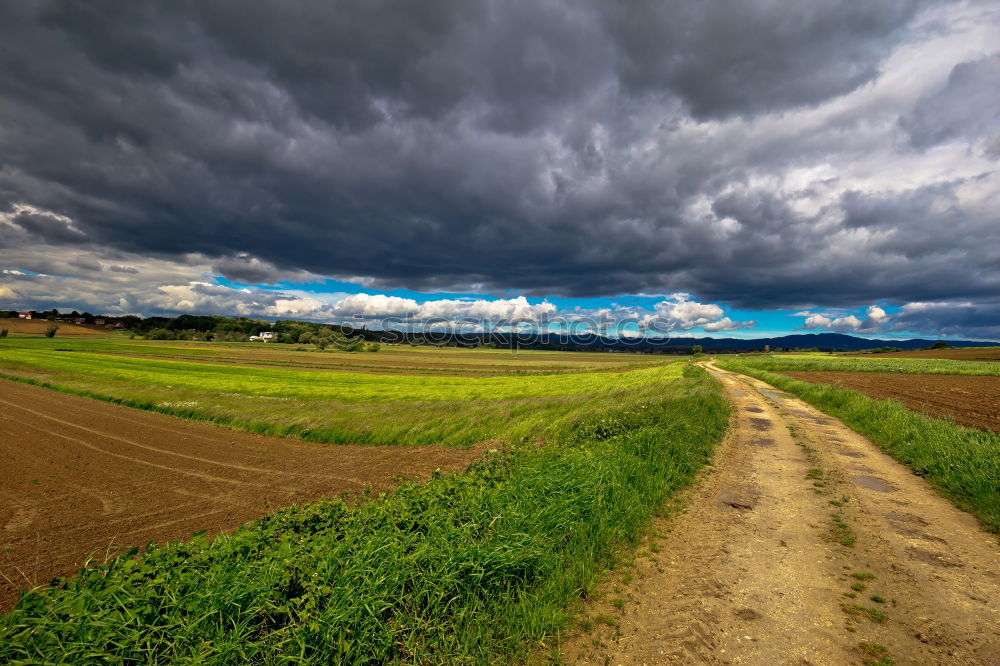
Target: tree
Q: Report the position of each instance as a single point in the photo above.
(696, 349)
(940, 344)
(3, 332)
(50, 330)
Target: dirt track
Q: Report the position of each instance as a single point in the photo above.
(753, 573)
(971, 400)
(85, 478)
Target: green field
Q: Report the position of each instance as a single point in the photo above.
(513, 397)
(963, 463)
(477, 567)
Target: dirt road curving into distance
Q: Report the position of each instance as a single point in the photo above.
(760, 567)
(81, 478)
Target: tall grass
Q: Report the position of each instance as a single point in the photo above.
(476, 567)
(963, 463)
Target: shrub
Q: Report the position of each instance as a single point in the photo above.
(50, 330)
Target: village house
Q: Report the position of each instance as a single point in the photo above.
(24, 315)
(99, 321)
(263, 336)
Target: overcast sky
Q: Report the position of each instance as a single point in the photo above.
(733, 167)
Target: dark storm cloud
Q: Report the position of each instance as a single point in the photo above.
(244, 268)
(968, 105)
(48, 228)
(736, 58)
(979, 320)
(545, 147)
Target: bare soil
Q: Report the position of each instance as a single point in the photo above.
(757, 570)
(38, 326)
(82, 479)
(968, 354)
(972, 401)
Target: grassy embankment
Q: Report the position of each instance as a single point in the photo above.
(476, 567)
(963, 463)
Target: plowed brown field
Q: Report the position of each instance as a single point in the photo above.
(82, 478)
(973, 354)
(971, 400)
(38, 326)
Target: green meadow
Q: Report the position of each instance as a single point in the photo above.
(482, 566)
(402, 404)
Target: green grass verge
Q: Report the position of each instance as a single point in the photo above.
(963, 463)
(476, 567)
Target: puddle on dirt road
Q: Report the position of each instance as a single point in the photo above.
(936, 559)
(873, 483)
(760, 424)
(774, 395)
(756, 410)
(851, 454)
(762, 441)
(738, 392)
(906, 518)
(917, 534)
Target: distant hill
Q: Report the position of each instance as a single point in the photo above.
(824, 341)
(818, 341)
(38, 326)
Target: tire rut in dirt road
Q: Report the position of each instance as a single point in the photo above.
(760, 567)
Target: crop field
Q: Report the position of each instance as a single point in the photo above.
(872, 363)
(991, 354)
(89, 479)
(36, 327)
(966, 391)
(970, 400)
(572, 455)
(912, 408)
(406, 407)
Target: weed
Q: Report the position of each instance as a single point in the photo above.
(878, 599)
(874, 614)
(859, 586)
(840, 532)
(814, 473)
(875, 654)
(862, 575)
(618, 603)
